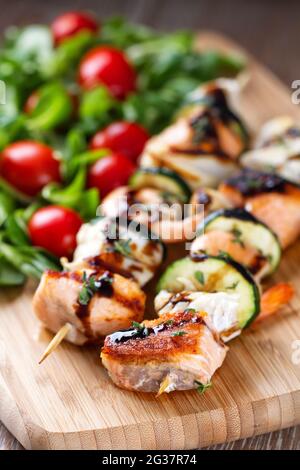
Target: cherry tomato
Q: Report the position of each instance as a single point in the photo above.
(54, 228)
(71, 23)
(108, 66)
(110, 172)
(29, 166)
(125, 137)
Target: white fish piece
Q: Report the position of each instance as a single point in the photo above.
(127, 249)
(220, 307)
(277, 148)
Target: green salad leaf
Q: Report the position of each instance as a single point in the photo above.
(53, 109)
(74, 195)
(65, 117)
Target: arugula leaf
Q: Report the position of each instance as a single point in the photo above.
(83, 160)
(11, 128)
(53, 109)
(95, 103)
(14, 193)
(179, 333)
(67, 55)
(9, 275)
(29, 260)
(75, 196)
(7, 205)
(122, 34)
(16, 225)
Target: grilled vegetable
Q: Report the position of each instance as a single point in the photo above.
(166, 180)
(221, 309)
(246, 232)
(105, 243)
(214, 274)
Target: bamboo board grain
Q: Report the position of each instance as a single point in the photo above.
(69, 402)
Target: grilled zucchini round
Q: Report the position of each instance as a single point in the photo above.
(214, 274)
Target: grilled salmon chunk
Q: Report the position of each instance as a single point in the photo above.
(173, 352)
(205, 141)
(270, 198)
(94, 304)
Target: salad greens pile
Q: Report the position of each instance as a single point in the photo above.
(167, 67)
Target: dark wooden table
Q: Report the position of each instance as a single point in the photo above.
(268, 29)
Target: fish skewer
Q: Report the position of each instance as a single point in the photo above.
(277, 147)
(204, 143)
(128, 260)
(270, 198)
(177, 351)
(55, 342)
(185, 345)
(93, 303)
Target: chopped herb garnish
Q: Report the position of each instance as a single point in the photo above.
(201, 388)
(200, 127)
(269, 258)
(253, 183)
(224, 254)
(85, 295)
(199, 276)
(190, 310)
(91, 285)
(123, 247)
(137, 325)
(179, 333)
(169, 322)
(233, 286)
(237, 236)
(87, 291)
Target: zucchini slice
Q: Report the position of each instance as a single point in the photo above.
(249, 230)
(161, 178)
(214, 274)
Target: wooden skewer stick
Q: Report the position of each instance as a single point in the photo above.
(164, 384)
(55, 342)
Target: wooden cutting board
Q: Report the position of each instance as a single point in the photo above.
(69, 402)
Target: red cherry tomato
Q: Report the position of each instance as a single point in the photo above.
(69, 24)
(29, 166)
(108, 66)
(110, 172)
(125, 137)
(54, 228)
